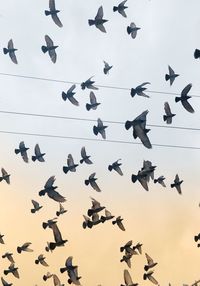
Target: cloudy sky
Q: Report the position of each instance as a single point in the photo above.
(162, 220)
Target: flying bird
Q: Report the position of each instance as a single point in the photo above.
(98, 20)
(47, 276)
(70, 165)
(87, 222)
(197, 237)
(38, 155)
(150, 263)
(9, 256)
(12, 269)
(5, 176)
(184, 98)
(61, 210)
(120, 8)
(100, 128)
(171, 76)
(177, 184)
(128, 280)
(53, 12)
(138, 246)
(116, 166)
(70, 95)
(108, 216)
(197, 54)
(50, 48)
(49, 189)
(68, 265)
(49, 222)
(11, 51)
(1, 239)
(127, 247)
(88, 84)
(106, 68)
(149, 276)
(169, 115)
(41, 260)
(73, 276)
(24, 247)
(92, 181)
(85, 157)
(119, 223)
(139, 90)
(160, 180)
(132, 29)
(96, 207)
(23, 151)
(142, 178)
(93, 102)
(57, 237)
(127, 259)
(36, 206)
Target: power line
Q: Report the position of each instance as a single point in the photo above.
(101, 86)
(92, 120)
(97, 140)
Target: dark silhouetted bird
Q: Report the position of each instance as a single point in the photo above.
(119, 223)
(169, 115)
(127, 247)
(5, 176)
(171, 76)
(108, 216)
(24, 247)
(49, 222)
(49, 189)
(38, 155)
(160, 180)
(120, 8)
(1, 239)
(96, 207)
(128, 280)
(68, 265)
(98, 20)
(149, 276)
(22, 150)
(132, 29)
(116, 166)
(57, 237)
(85, 157)
(150, 263)
(139, 90)
(100, 128)
(106, 68)
(127, 258)
(73, 276)
(184, 98)
(11, 51)
(177, 184)
(138, 246)
(41, 260)
(12, 269)
(47, 276)
(61, 210)
(70, 95)
(8, 255)
(142, 178)
(93, 102)
(36, 206)
(197, 54)
(5, 283)
(87, 222)
(50, 48)
(88, 84)
(197, 237)
(92, 181)
(70, 165)
(53, 12)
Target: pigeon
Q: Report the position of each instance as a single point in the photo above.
(22, 150)
(73, 276)
(138, 246)
(169, 115)
(142, 178)
(5, 176)
(119, 223)
(93, 102)
(41, 260)
(70, 165)
(171, 76)
(100, 128)
(49, 223)
(85, 157)
(116, 166)
(106, 68)
(8, 255)
(150, 263)
(127, 259)
(57, 237)
(47, 276)
(11, 51)
(132, 29)
(61, 210)
(5, 283)
(87, 222)
(38, 155)
(149, 276)
(149, 169)
(184, 98)
(139, 90)
(160, 180)
(108, 216)
(98, 20)
(91, 180)
(24, 247)
(197, 54)
(120, 8)
(49, 189)
(36, 206)
(177, 184)
(70, 95)
(68, 265)
(53, 12)
(95, 219)
(12, 269)
(1, 239)
(127, 247)
(50, 48)
(128, 280)
(96, 207)
(88, 84)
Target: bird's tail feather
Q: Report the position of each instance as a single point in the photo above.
(33, 158)
(197, 54)
(19, 249)
(62, 270)
(177, 99)
(52, 245)
(88, 106)
(134, 178)
(47, 13)
(44, 49)
(167, 77)
(129, 30)
(95, 130)
(64, 95)
(5, 51)
(115, 8)
(32, 211)
(164, 117)
(36, 261)
(133, 92)
(42, 193)
(110, 167)
(91, 22)
(128, 124)
(6, 272)
(17, 151)
(87, 182)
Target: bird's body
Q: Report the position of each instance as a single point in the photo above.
(41, 260)
(106, 68)
(36, 206)
(57, 237)
(96, 207)
(93, 102)
(169, 115)
(149, 276)
(24, 247)
(88, 84)
(85, 157)
(108, 216)
(160, 180)
(177, 184)
(92, 181)
(120, 8)
(12, 269)
(49, 189)
(119, 223)
(61, 210)
(116, 166)
(150, 263)
(9, 256)
(5, 176)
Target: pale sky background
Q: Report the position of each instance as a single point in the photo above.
(161, 219)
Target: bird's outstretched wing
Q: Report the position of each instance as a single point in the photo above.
(56, 196)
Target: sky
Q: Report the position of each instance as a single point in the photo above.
(161, 219)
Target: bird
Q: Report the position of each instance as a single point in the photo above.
(160, 180)
(177, 184)
(88, 84)
(92, 181)
(138, 246)
(53, 12)
(108, 216)
(57, 237)
(150, 263)
(24, 247)
(5, 283)
(1, 239)
(106, 68)
(149, 169)
(100, 128)
(127, 247)
(87, 222)
(127, 259)
(5, 176)
(171, 76)
(119, 223)
(50, 48)
(38, 155)
(120, 8)
(61, 210)
(41, 260)
(116, 166)
(23, 151)
(139, 90)
(197, 54)
(68, 265)
(11, 51)
(128, 280)
(149, 276)
(36, 206)
(73, 276)
(93, 102)
(12, 269)
(142, 178)
(49, 189)
(169, 115)
(132, 30)
(85, 157)
(47, 276)
(70, 165)
(184, 98)
(70, 95)
(98, 20)
(9, 256)
(96, 207)
(49, 222)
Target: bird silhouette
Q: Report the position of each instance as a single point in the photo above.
(36, 207)
(120, 8)
(184, 98)
(5, 176)
(100, 128)
(50, 48)
(169, 115)
(85, 157)
(177, 184)
(23, 151)
(139, 90)
(38, 155)
(171, 76)
(92, 181)
(106, 68)
(93, 102)
(70, 95)
(98, 20)
(132, 30)
(88, 84)
(53, 13)
(11, 51)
